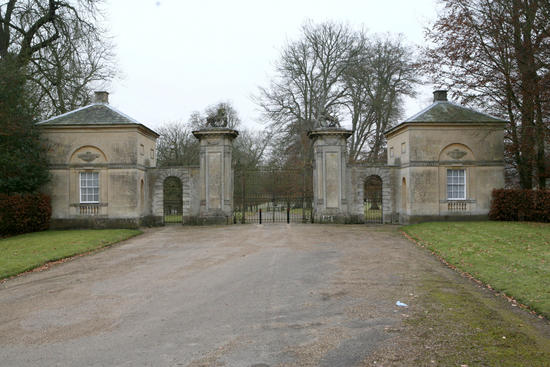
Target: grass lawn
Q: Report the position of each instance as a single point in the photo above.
(31, 250)
(511, 257)
(173, 218)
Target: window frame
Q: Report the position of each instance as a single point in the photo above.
(464, 183)
(80, 187)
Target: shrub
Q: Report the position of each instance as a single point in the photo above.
(520, 205)
(22, 213)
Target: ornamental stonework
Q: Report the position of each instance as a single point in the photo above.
(456, 154)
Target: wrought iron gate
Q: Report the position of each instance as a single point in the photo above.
(373, 200)
(273, 195)
(172, 201)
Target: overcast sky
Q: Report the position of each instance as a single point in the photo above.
(179, 56)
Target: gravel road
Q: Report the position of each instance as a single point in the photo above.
(242, 295)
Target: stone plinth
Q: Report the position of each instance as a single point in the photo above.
(330, 203)
(216, 174)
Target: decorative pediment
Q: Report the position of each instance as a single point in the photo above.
(456, 154)
(88, 156)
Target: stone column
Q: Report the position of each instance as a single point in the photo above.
(216, 174)
(330, 202)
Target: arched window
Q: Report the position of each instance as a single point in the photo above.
(373, 199)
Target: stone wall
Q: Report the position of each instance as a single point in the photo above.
(189, 177)
(357, 176)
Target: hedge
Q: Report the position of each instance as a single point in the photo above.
(22, 213)
(520, 205)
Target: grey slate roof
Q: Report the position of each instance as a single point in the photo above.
(444, 111)
(93, 114)
(448, 112)
(99, 114)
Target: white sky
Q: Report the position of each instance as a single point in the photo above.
(179, 56)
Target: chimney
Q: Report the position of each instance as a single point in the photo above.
(440, 95)
(101, 97)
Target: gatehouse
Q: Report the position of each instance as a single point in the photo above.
(442, 164)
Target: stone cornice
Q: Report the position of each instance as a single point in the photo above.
(313, 134)
(213, 131)
(451, 163)
(144, 130)
(99, 166)
(438, 125)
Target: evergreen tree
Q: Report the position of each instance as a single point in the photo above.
(23, 166)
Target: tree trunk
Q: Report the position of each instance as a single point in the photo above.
(540, 139)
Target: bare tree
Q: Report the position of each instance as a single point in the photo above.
(376, 84)
(59, 46)
(337, 71)
(250, 147)
(64, 75)
(496, 55)
(177, 145)
(309, 82)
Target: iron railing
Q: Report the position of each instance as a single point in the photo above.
(373, 210)
(173, 212)
(273, 196)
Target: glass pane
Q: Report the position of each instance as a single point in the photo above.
(89, 187)
(456, 184)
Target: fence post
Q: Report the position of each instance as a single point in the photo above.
(260, 215)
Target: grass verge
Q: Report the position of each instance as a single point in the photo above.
(28, 251)
(455, 327)
(510, 257)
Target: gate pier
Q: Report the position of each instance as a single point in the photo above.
(330, 201)
(216, 174)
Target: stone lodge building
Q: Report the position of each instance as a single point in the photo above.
(442, 165)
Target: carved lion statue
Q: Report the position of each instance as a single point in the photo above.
(327, 120)
(219, 119)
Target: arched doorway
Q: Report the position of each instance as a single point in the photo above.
(372, 199)
(173, 203)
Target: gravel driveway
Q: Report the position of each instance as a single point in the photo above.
(242, 295)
